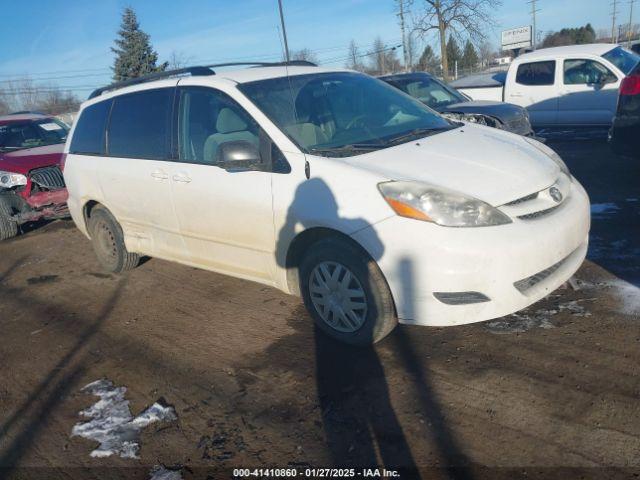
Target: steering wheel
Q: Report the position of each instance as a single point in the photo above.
(355, 121)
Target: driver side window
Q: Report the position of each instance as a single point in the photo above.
(207, 120)
(587, 72)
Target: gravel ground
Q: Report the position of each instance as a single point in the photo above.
(200, 373)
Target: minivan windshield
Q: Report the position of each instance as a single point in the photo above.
(624, 59)
(19, 135)
(343, 113)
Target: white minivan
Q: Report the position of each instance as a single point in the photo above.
(328, 184)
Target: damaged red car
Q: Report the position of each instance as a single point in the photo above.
(31, 183)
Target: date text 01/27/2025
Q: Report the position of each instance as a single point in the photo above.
(315, 473)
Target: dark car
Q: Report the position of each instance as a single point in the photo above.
(31, 183)
(624, 135)
(453, 104)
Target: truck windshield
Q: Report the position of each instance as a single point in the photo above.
(622, 58)
(342, 114)
(28, 134)
(428, 90)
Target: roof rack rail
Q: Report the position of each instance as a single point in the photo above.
(199, 71)
(195, 71)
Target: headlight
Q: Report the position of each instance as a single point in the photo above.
(440, 205)
(9, 180)
(474, 118)
(551, 154)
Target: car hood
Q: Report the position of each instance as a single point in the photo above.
(23, 161)
(486, 163)
(503, 111)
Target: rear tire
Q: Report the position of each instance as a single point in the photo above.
(346, 293)
(108, 242)
(8, 228)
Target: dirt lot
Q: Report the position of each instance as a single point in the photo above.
(552, 392)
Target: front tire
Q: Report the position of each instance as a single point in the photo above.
(346, 293)
(108, 242)
(8, 228)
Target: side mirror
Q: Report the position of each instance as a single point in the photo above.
(239, 156)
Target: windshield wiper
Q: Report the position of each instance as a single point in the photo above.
(349, 148)
(416, 133)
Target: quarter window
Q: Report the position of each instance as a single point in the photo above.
(586, 72)
(536, 73)
(140, 125)
(88, 135)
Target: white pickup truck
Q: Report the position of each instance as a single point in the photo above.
(575, 85)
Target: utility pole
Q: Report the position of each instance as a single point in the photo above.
(284, 32)
(405, 45)
(630, 19)
(534, 10)
(614, 12)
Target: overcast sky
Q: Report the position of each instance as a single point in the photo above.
(67, 42)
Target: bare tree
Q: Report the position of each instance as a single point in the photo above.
(354, 62)
(178, 60)
(486, 53)
(24, 94)
(383, 59)
(412, 51)
(456, 17)
(304, 54)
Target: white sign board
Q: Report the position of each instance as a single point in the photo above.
(516, 38)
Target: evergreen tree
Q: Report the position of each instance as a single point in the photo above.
(134, 54)
(428, 61)
(469, 57)
(453, 54)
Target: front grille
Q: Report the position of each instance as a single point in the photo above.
(530, 282)
(520, 200)
(538, 214)
(48, 177)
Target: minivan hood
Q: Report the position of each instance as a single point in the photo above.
(27, 159)
(486, 163)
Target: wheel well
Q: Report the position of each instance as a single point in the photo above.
(301, 244)
(88, 208)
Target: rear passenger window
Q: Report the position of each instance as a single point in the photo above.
(140, 125)
(88, 136)
(536, 73)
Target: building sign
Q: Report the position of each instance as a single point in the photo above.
(516, 38)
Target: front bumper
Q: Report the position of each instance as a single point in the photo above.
(419, 259)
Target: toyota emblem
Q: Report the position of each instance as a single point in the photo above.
(555, 194)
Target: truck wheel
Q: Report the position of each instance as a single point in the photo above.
(8, 228)
(108, 242)
(346, 293)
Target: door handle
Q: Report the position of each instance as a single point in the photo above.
(517, 95)
(182, 178)
(159, 175)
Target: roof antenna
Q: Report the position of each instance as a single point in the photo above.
(284, 32)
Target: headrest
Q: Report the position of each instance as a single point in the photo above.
(229, 121)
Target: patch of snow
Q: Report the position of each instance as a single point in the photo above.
(604, 208)
(628, 295)
(112, 425)
(160, 472)
(522, 322)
